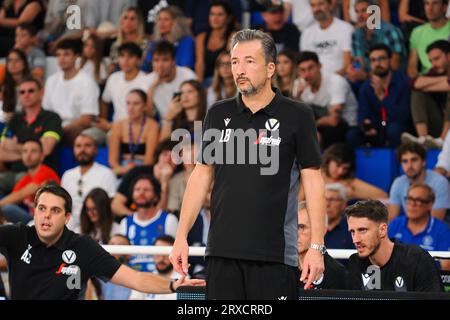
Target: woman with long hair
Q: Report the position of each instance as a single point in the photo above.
(223, 86)
(184, 109)
(96, 217)
(92, 59)
(171, 25)
(286, 72)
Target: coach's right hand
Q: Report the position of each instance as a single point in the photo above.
(179, 256)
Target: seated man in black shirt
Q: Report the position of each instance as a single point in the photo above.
(48, 261)
(335, 275)
(381, 264)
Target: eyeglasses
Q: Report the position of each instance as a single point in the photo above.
(379, 59)
(22, 92)
(417, 201)
(80, 187)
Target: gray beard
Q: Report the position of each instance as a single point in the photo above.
(252, 91)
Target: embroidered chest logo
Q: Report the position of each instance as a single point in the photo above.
(26, 256)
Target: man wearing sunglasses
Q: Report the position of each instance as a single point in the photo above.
(418, 226)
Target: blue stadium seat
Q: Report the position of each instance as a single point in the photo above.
(67, 160)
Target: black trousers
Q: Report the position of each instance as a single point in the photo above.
(233, 279)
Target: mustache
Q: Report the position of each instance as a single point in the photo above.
(242, 78)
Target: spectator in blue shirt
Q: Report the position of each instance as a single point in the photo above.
(337, 235)
(412, 157)
(418, 226)
(384, 103)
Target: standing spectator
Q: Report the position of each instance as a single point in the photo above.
(209, 44)
(286, 72)
(185, 109)
(429, 104)
(384, 103)
(80, 180)
(13, 13)
(22, 196)
(418, 226)
(92, 59)
(166, 78)
(438, 28)
(329, 37)
(172, 26)
(96, 218)
(412, 157)
(443, 162)
(71, 93)
(133, 140)
(222, 86)
(26, 38)
(32, 123)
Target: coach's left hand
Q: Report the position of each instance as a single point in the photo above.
(313, 268)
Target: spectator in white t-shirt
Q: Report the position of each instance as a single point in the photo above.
(329, 37)
(443, 162)
(80, 180)
(166, 78)
(331, 97)
(70, 93)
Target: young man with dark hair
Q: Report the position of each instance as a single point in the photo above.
(381, 264)
(25, 40)
(47, 261)
(412, 157)
(71, 93)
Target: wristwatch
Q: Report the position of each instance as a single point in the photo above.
(319, 247)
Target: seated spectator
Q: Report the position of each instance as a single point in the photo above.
(339, 167)
(350, 13)
(443, 162)
(96, 218)
(131, 30)
(337, 235)
(286, 72)
(438, 28)
(185, 109)
(150, 9)
(384, 103)
(329, 37)
(412, 157)
(92, 59)
(17, 69)
(133, 140)
(335, 275)
(418, 226)
(331, 97)
(368, 225)
(148, 221)
(71, 93)
(12, 14)
(171, 25)
(79, 181)
(19, 205)
(222, 86)
(163, 267)
(26, 38)
(166, 78)
(429, 106)
(209, 44)
(32, 123)
(120, 83)
(284, 33)
(122, 204)
(363, 38)
(411, 14)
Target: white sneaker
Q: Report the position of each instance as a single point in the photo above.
(433, 143)
(407, 137)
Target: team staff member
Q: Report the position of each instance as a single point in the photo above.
(48, 261)
(252, 243)
(398, 267)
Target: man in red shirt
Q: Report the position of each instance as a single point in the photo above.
(13, 206)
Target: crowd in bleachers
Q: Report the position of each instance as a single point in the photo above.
(137, 70)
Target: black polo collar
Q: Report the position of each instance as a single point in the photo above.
(269, 109)
(61, 244)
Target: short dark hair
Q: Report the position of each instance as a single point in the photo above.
(307, 56)
(412, 147)
(141, 93)
(37, 141)
(31, 79)
(145, 176)
(57, 191)
(165, 145)
(70, 44)
(131, 48)
(166, 238)
(380, 46)
(442, 45)
(29, 28)
(373, 210)
(267, 42)
(165, 47)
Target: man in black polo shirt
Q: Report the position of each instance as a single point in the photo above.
(252, 243)
(33, 123)
(381, 264)
(48, 261)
